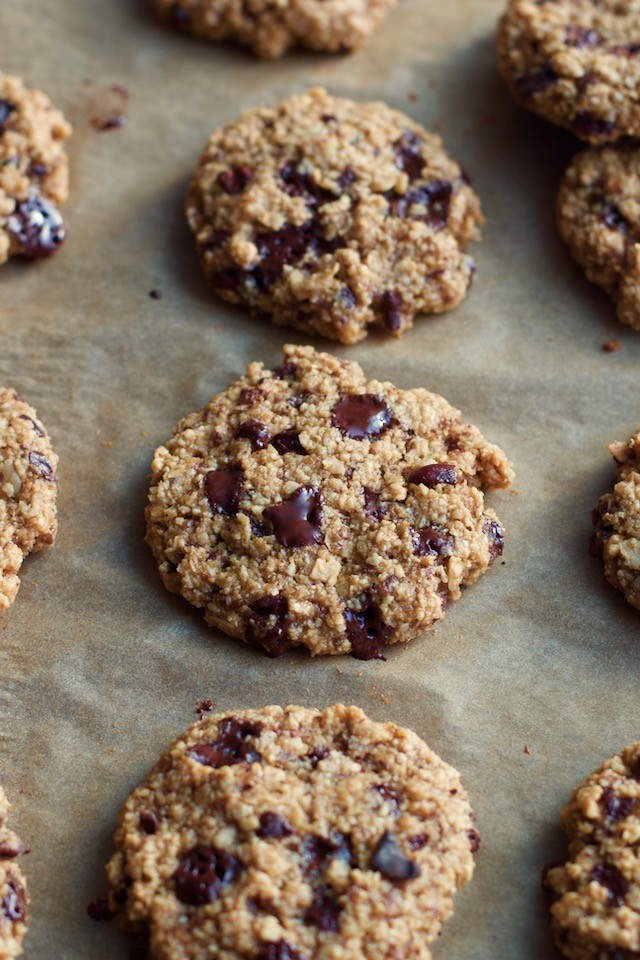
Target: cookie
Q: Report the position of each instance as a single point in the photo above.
(34, 171)
(331, 216)
(598, 214)
(292, 834)
(13, 890)
(596, 914)
(307, 506)
(575, 62)
(28, 489)
(272, 27)
(616, 520)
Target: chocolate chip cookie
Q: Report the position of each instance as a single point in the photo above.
(34, 171)
(272, 27)
(596, 915)
(598, 214)
(331, 215)
(13, 891)
(305, 505)
(575, 62)
(616, 521)
(28, 489)
(292, 834)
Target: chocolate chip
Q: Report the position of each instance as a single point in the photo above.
(435, 197)
(202, 872)
(535, 82)
(587, 125)
(316, 755)
(297, 520)
(37, 225)
(278, 248)
(474, 840)
(178, 17)
(432, 542)
(281, 950)
(223, 489)
(288, 441)
(418, 841)
(389, 794)
(274, 825)
(42, 465)
(36, 426)
(253, 431)
(100, 911)
(319, 851)
(298, 399)
(14, 905)
(288, 371)
(408, 157)
(298, 184)
(6, 109)
(495, 535)
(155, 294)
(8, 851)
(433, 473)
(391, 309)
(361, 416)
(374, 507)
(149, 823)
(324, 912)
(612, 218)
(233, 745)
(366, 630)
(250, 395)
(581, 37)
(346, 178)
(235, 179)
(389, 860)
(610, 877)
(616, 807)
(625, 49)
(267, 625)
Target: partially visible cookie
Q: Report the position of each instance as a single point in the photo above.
(34, 171)
(292, 834)
(307, 506)
(596, 915)
(575, 62)
(272, 27)
(28, 489)
(331, 216)
(13, 891)
(616, 520)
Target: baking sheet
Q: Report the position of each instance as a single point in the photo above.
(100, 667)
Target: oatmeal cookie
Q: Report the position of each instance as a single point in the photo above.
(575, 62)
(305, 505)
(28, 489)
(13, 891)
(331, 215)
(596, 914)
(34, 171)
(292, 834)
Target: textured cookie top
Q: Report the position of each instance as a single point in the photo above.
(576, 62)
(13, 892)
(599, 218)
(28, 490)
(293, 834)
(305, 505)
(616, 520)
(332, 215)
(271, 27)
(34, 171)
(597, 913)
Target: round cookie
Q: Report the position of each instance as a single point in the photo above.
(596, 913)
(305, 505)
(331, 215)
(272, 27)
(575, 62)
(616, 520)
(598, 213)
(292, 834)
(13, 892)
(28, 489)
(34, 171)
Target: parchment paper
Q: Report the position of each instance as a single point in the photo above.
(100, 667)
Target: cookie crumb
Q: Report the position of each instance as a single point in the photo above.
(384, 699)
(412, 96)
(527, 750)
(205, 706)
(155, 294)
(107, 108)
(611, 346)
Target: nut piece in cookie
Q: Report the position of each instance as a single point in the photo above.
(293, 834)
(332, 216)
(575, 62)
(307, 506)
(34, 172)
(598, 213)
(616, 520)
(28, 490)
(13, 891)
(595, 915)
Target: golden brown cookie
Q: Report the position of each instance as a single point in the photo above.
(13, 891)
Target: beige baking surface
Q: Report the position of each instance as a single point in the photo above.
(100, 667)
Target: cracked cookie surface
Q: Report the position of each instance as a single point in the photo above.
(307, 506)
(292, 834)
(575, 62)
(596, 913)
(34, 171)
(331, 216)
(28, 490)
(13, 890)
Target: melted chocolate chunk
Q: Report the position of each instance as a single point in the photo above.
(535, 82)
(9, 851)
(178, 17)
(433, 473)
(37, 225)
(149, 823)
(253, 431)
(297, 521)
(6, 109)
(474, 840)
(14, 905)
(274, 825)
(432, 542)
(281, 950)
(612, 218)
(36, 171)
(435, 197)
(390, 795)
(418, 841)
(267, 625)
(298, 184)
(288, 441)
(250, 395)
(288, 371)
(617, 808)
(587, 125)
(366, 630)
(374, 507)
(391, 309)
(319, 851)
(232, 746)
(361, 415)
(279, 248)
(579, 37)
(495, 535)
(324, 912)
(202, 872)
(100, 911)
(611, 878)
(235, 179)
(223, 489)
(316, 755)
(348, 298)
(408, 157)
(346, 178)
(41, 464)
(36, 426)
(298, 399)
(389, 860)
